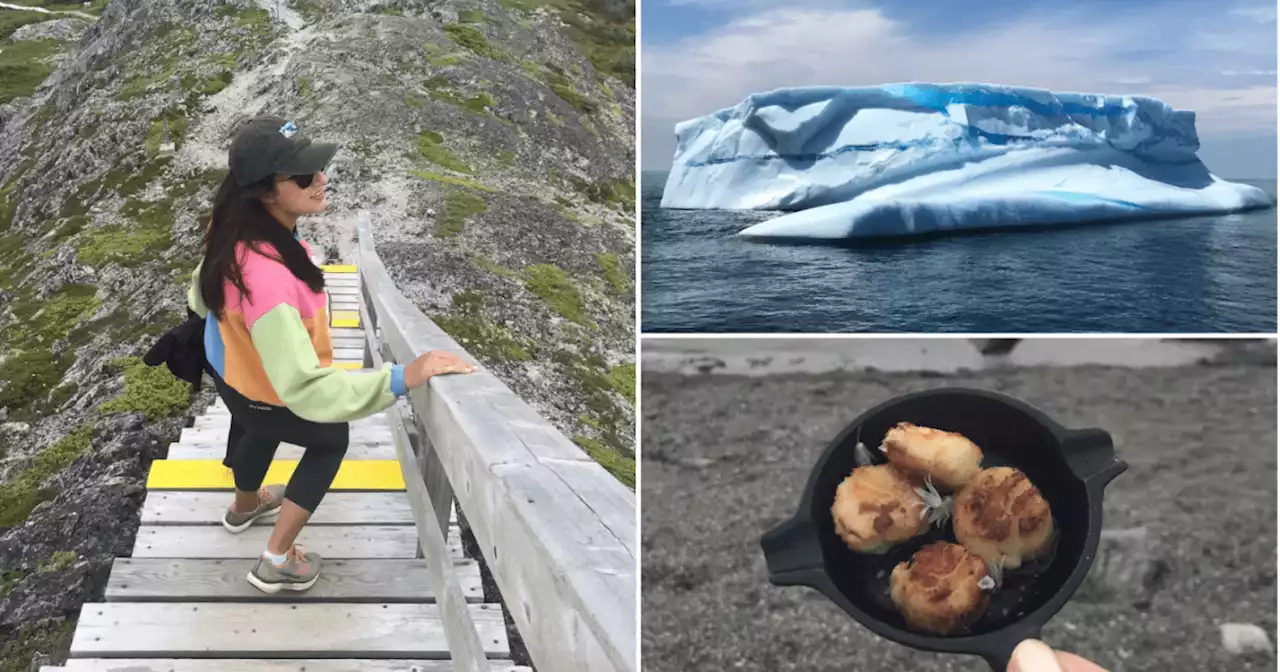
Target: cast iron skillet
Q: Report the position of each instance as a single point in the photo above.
(1070, 467)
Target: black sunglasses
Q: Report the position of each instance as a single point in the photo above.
(303, 181)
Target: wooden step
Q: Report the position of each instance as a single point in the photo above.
(342, 290)
(180, 507)
(240, 630)
(342, 332)
(204, 580)
(344, 318)
(272, 665)
(286, 451)
(370, 433)
(342, 281)
(211, 475)
(357, 343)
(330, 541)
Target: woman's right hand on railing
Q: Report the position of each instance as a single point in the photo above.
(434, 363)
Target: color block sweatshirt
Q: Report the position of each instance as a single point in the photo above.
(273, 346)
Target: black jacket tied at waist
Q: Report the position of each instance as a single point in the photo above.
(182, 350)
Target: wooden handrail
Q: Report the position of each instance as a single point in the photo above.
(557, 531)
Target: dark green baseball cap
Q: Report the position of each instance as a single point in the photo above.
(270, 145)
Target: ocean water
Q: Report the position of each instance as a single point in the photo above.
(1190, 275)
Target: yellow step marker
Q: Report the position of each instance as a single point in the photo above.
(211, 475)
(345, 318)
(339, 268)
(350, 366)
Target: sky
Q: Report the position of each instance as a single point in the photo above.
(1214, 57)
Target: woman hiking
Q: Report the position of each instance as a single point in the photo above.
(267, 345)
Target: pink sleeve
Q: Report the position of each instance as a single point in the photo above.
(270, 284)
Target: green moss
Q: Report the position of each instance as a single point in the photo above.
(216, 83)
(252, 15)
(413, 101)
(496, 269)
(467, 324)
(312, 10)
(128, 181)
(25, 490)
(23, 65)
(449, 179)
(458, 208)
(153, 390)
(621, 466)
(430, 147)
(389, 10)
(473, 16)
(505, 158)
(619, 193)
(471, 39)
(50, 637)
(155, 132)
(563, 87)
(607, 37)
(622, 378)
(304, 87)
(30, 375)
(13, 20)
(58, 561)
(439, 55)
(10, 578)
(613, 272)
(122, 245)
(555, 288)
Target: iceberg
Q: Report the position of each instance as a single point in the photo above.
(917, 158)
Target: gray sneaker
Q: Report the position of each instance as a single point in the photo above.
(269, 499)
(299, 572)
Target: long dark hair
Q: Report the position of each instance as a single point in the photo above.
(240, 216)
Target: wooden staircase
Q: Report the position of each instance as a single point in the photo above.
(181, 602)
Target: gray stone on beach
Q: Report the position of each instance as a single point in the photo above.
(1243, 638)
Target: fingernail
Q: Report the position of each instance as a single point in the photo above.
(1034, 655)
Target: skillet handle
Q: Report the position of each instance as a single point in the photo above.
(791, 551)
(1091, 455)
(998, 652)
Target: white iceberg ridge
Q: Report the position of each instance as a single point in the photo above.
(908, 159)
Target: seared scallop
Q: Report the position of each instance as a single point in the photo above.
(939, 589)
(948, 458)
(877, 507)
(1002, 517)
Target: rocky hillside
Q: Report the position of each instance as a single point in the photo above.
(492, 142)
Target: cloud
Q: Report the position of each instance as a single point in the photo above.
(1158, 54)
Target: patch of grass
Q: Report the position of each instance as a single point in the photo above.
(153, 390)
(613, 272)
(50, 637)
(467, 324)
(487, 264)
(8, 579)
(622, 378)
(563, 87)
(595, 385)
(619, 193)
(554, 287)
(128, 181)
(430, 147)
(505, 158)
(13, 20)
(215, 83)
(449, 179)
(604, 32)
(253, 16)
(58, 561)
(23, 65)
(460, 206)
(440, 55)
(304, 87)
(471, 39)
(473, 16)
(621, 466)
(24, 490)
(413, 101)
(312, 10)
(177, 125)
(121, 245)
(389, 10)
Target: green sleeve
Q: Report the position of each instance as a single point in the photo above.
(194, 301)
(314, 393)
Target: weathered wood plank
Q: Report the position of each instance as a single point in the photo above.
(345, 332)
(566, 551)
(330, 541)
(465, 646)
(286, 451)
(366, 433)
(270, 665)
(203, 580)
(178, 507)
(236, 630)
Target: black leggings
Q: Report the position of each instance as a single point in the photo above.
(256, 432)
